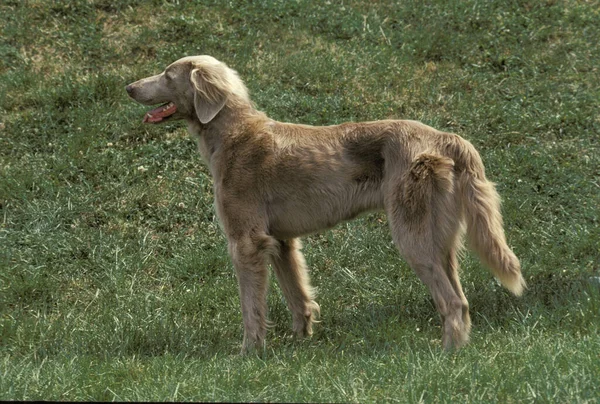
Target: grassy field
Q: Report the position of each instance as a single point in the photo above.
(114, 278)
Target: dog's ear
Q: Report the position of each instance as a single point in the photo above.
(208, 98)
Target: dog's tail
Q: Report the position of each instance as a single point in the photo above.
(485, 232)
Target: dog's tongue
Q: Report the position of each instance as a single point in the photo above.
(160, 113)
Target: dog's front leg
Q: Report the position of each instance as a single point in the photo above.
(250, 265)
(292, 274)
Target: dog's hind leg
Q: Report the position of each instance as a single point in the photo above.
(451, 266)
(250, 254)
(425, 221)
(448, 303)
(292, 275)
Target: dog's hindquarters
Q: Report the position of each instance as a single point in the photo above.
(425, 216)
(429, 207)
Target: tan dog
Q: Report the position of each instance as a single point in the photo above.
(275, 182)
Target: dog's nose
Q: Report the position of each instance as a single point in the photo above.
(129, 89)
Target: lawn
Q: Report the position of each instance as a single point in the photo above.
(115, 282)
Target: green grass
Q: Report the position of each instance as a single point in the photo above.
(114, 278)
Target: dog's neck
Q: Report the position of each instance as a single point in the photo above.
(207, 138)
(210, 136)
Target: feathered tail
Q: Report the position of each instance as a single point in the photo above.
(485, 232)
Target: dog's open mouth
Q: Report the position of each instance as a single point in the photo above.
(161, 113)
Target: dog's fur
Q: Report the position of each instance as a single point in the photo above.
(275, 182)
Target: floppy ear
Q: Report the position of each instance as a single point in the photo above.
(208, 99)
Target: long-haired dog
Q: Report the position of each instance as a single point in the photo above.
(275, 182)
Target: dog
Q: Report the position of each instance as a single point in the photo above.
(275, 182)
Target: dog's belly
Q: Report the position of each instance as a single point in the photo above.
(309, 214)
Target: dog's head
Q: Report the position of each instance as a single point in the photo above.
(193, 88)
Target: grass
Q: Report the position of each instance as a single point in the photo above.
(114, 278)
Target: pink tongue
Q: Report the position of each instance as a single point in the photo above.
(160, 113)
